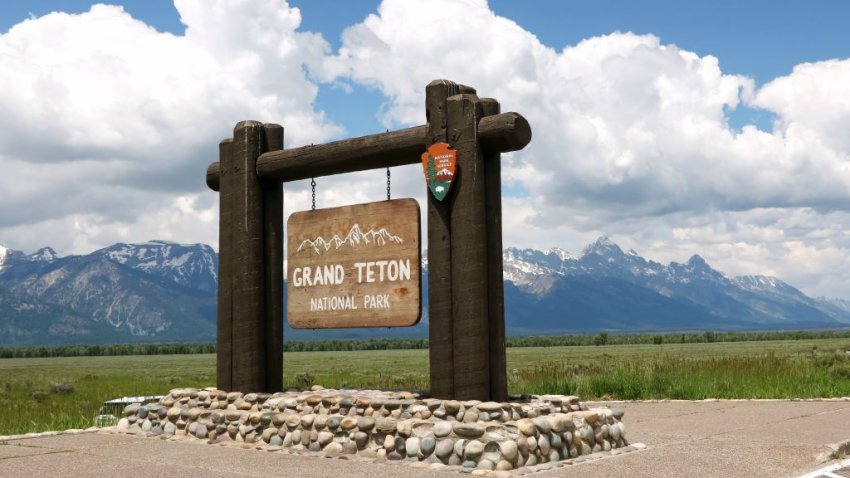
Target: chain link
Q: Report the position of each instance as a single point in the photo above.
(313, 186)
(388, 184)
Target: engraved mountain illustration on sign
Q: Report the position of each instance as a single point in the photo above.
(354, 238)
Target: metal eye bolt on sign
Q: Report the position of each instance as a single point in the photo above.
(361, 283)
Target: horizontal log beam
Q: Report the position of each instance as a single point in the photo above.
(498, 134)
(393, 148)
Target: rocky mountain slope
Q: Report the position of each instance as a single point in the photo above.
(156, 291)
(607, 288)
(162, 291)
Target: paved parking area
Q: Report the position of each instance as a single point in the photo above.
(694, 439)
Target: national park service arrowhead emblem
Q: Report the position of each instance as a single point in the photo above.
(439, 164)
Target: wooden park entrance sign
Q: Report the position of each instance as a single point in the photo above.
(465, 289)
(354, 266)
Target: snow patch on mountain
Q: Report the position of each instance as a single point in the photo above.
(4, 253)
(561, 254)
(189, 265)
(523, 266)
(839, 304)
(758, 282)
(10, 257)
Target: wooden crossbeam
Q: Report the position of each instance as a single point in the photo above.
(498, 133)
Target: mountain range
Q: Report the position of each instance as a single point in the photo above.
(160, 291)
(605, 288)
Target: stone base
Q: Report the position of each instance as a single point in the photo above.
(379, 425)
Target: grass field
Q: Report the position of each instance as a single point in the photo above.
(59, 393)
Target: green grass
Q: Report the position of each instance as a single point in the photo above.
(40, 394)
(32, 396)
(776, 369)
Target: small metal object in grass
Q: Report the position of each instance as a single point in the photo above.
(111, 410)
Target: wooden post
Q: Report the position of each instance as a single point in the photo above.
(440, 334)
(224, 324)
(495, 278)
(465, 286)
(469, 253)
(243, 256)
(273, 264)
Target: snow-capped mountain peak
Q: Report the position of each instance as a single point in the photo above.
(603, 247)
(9, 257)
(696, 282)
(190, 265)
(45, 254)
(697, 262)
(526, 268)
(522, 266)
(561, 253)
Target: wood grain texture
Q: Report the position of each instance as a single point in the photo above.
(224, 324)
(273, 265)
(469, 253)
(441, 332)
(247, 260)
(212, 177)
(382, 150)
(495, 266)
(354, 266)
(503, 132)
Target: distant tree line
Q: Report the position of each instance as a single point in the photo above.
(601, 339)
(106, 350)
(605, 338)
(204, 348)
(367, 344)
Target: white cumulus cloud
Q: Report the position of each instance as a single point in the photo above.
(631, 135)
(108, 126)
(108, 123)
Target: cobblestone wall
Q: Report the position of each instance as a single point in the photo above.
(381, 425)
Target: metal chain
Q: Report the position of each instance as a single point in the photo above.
(313, 186)
(388, 183)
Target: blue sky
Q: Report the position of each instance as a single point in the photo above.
(762, 39)
(675, 128)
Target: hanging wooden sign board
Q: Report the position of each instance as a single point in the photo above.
(354, 266)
